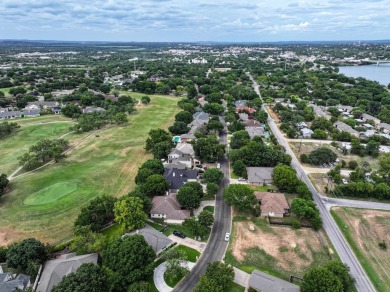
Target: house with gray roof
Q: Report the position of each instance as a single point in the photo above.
(57, 269)
(319, 111)
(10, 115)
(10, 283)
(243, 116)
(92, 109)
(384, 128)
(366, 117)
(168, 208)
(345, 108)
(187, 137)
(240, 103)
(41, 104)
(157, 240)
(254, 131)
(346, 128)
(306, 133)
(260, 282)
(201, 116)
(260, 175)
(178, 177)
(32, 113)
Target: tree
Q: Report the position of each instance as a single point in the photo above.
(140, 286)
(184, 116)
(285, 178)
(187, 198)
(191, 91)
(98, 213)
(162, 149)
(175, 259)
(214, 125)
(179, 128)
(213, 175)
(357, 147)
(7, 128)
(207, 284)
(322, 155)
(206, 218)
(155, 185)
(155, 165)
(120, 118)
(221, 273)
(353, 164)
(146, 201)
(86, 241)
(196, 228)
(145, 99)
(213, 108)
(209, 148)
(212, 189)
(319, 134)
(341, 271)
(236, 126)
(26, 252)
(240, 196)
(239, 139)
(261, 116)
(88, 277)
(196, 188)
(156, 136)
(71, 110)
(372, 148)
(3, 183)
(321, 279)
(130, 260)
(239, 169)
(142, 175)
(303, 208)
(129, 213)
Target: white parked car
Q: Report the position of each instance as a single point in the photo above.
(227, 236)
(344, 181)
(218, 165)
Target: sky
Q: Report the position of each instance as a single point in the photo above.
(202, 20)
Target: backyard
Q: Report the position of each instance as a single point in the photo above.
(364, 230)
(45, 203)
(279, 251)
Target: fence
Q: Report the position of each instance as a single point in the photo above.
(284, 222)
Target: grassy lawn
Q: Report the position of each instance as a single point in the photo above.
(100, 165)
(209, 208)
(364, 229)
(113, 231)
(192, 254)
(263, 188)
(173, 227)
(29, 134)
(235, 288)
(276, 250)
(6, 90)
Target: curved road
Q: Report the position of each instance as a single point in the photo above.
(347, 256)
(216, 246)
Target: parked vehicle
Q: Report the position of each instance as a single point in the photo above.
(218, 165)
(179, 234)
(227, 236)
(241, 179)
(344, 181)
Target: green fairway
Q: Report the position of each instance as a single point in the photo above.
(29, 134)
(44, 204)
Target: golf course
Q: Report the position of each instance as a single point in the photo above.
(45, 203)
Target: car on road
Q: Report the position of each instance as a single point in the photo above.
(241, 179)
(227, 236)
(218, 165)
(179, 234)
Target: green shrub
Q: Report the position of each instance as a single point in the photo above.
(296, 224)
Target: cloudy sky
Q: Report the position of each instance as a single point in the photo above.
(203, 20)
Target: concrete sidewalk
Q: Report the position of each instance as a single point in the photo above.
(158, 276)
(204, 204)
(241, 278)
(199, 246)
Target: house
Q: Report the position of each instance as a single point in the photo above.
(320, 112)
(183, 154)
(243, 116)
(187, 138)
(246, 109)
(345, 108)
(92, 109)
(301, 125)
(197, 61)
(32, 113)
(201, 116)
(306, 133)
(157, 240)
(260, 282)
(10, 283)
(168, 207)
(260, 175)
(254, 131)
(10, 115)
(186, 149)
(57, 110)
(240, 104)
(347, 146)
(252, 124)
(368, 133)
(273, 204)
(55, 270)
(366, 117)
(41, 104)
(346, 128)
(178, 177)
(384, 128)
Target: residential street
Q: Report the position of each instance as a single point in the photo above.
(331, 202)
(347, 256)
(216, 247)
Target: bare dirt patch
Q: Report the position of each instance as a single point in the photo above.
(283, 249)
(367, 228)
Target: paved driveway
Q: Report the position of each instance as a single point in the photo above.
(199, 246)
(158, 276)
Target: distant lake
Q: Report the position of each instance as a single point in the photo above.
(379, 73)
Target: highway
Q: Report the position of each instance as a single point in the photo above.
(344, 251)
(216, 246)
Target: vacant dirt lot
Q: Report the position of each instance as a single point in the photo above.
(365, 229)
(280, 250)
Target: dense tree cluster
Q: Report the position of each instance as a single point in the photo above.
(218, 278)
(7, 129)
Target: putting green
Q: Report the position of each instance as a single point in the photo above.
(51, 193)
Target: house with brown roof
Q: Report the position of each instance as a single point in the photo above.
(273, 204)
(168, 208)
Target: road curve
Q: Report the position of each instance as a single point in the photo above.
(362, 282)
(331, 202)
(216, 247)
